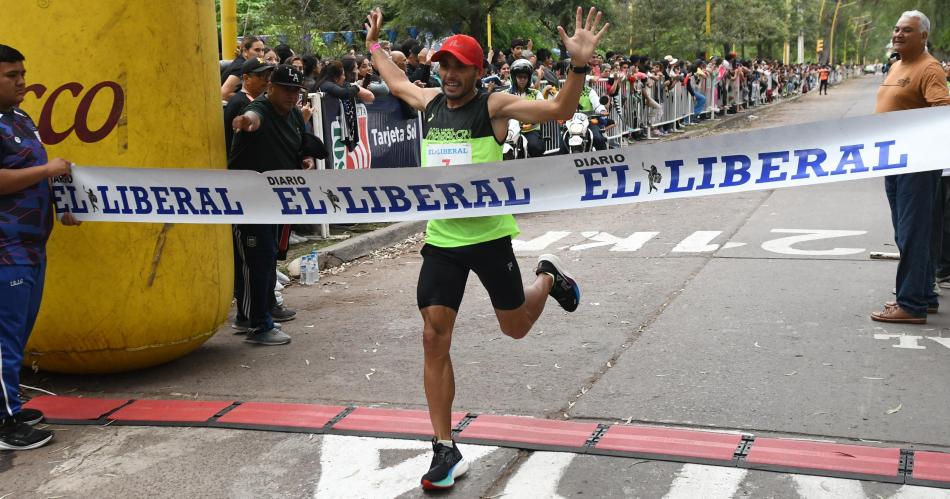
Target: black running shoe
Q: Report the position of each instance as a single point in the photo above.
(15, 435)
(242, 327)
(447, 465)
(282, 314)
(28, 416)
(565, 290)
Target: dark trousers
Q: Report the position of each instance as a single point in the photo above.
(600, 142)
(535, 143)
(21, 290)
(823, 87)
(942, 230)
(255, 258)
(912, 197)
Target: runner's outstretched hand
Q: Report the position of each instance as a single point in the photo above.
(373, 25)
(581, 46)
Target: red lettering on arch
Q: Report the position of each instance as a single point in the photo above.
(82, 112)
(80, 121)
(47, 133)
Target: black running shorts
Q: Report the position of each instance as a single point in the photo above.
(445, 272)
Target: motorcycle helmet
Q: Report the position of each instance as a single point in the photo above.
(522, 66)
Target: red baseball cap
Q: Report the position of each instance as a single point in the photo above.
(465, 48)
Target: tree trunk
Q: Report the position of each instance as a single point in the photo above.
(476, 24)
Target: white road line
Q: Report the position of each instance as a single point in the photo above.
(698, 242)
(350, 466)
(632, 243)
(915, 492)
(539, 243)
(539, 475)
(821, 487)
(943, 341)
(783, 245)
(708, 482)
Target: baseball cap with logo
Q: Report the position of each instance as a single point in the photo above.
(255, 65)
(287, 76)
(464, 48)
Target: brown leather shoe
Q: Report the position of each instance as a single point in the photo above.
(930, 310)
(896, 315)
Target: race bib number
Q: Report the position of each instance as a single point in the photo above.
(448, 154)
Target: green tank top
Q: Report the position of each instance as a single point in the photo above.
(458, 137)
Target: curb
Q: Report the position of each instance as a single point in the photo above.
(364, 244)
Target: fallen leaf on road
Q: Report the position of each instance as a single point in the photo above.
(628, 420)
(791, 373)
(307, 361)
(557, 366)
(756, 345)
(332, 358)
(245, 366)
(894, 410)
(609, 364)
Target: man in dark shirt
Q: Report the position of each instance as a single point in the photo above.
(254, 75)
(268, 136)
(26, 220)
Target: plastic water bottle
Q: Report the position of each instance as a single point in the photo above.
(305, 271)
(316, 266)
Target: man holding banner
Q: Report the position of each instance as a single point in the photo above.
(465, 126)
(913, 82)
(26, 220)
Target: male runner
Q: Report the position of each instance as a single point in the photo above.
(475, 124)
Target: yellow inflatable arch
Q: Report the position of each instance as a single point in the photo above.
(134, 84)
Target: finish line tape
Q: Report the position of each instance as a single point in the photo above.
(798, 155)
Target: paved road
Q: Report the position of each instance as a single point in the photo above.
(742, 312)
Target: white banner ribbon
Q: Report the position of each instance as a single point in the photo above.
(808, 154)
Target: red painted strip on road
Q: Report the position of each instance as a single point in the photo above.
(853, 461)
(377, 421)
(74, 409)
(530, 433)
(931, 468)
(669, 443)
(266, 415)
(192, 412)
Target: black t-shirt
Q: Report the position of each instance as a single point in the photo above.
(276, 145)
(235, 107)
(234, 68)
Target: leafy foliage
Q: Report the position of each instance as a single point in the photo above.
(754, 28)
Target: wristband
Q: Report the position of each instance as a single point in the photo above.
(373, 47)
(580, 70)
